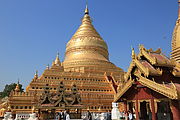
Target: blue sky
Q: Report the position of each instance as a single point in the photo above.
(33, 31)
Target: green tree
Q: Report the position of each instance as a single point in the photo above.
(9, 88)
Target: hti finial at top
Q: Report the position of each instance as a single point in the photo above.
(86, 10)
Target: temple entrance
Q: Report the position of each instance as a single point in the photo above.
(144, 111)
(52, 104)
(163, 111)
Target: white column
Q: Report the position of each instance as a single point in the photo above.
(115, 114)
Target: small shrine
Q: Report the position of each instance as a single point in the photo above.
(52, 102)
(151, 89)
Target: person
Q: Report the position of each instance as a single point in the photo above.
(89, 116)
(57, 116)
(130, 115)
(60, 115)
(67, 115)
(109, 115)
(64, 115)
(126, 115)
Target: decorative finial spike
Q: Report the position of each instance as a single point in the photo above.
(57, 60)
(133, 53)
(36, 72)
(18, 81)
(86, 10)
(17, 89)
(36, 75)
(47, 67)
(57, 54)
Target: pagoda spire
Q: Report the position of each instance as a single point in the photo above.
(57, 60)
(176, 38)
(86, 11)
(17, 89)
(47, 67)
(36, 75)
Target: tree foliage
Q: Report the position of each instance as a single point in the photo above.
(9, 88)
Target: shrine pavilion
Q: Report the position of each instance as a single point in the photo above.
(152, 83)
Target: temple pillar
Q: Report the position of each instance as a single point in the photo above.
(153, 110)
(175, 110)
(136, 111)
(125, 106)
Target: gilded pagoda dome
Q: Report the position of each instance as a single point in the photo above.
(86, 45)
(176, 39)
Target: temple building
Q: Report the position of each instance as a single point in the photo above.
(152, 88)
(86, 64)
(87, 80)
(152, 83)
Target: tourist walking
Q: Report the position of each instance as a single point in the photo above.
(130, 115)
(67, 115)
(64, 115)
(126, 115)
(89, 116)
(109, 115)
(57, 117)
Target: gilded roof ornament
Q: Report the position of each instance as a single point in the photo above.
(57, 60)
(17, 89)
(36, 75)
(133, 55)
(47, 67)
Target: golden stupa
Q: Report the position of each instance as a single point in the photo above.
(86, 64)
(87, 51)
(176, 39)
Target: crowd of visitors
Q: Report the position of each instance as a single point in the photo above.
(62, 115)
(87, 116)
(127, 115)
